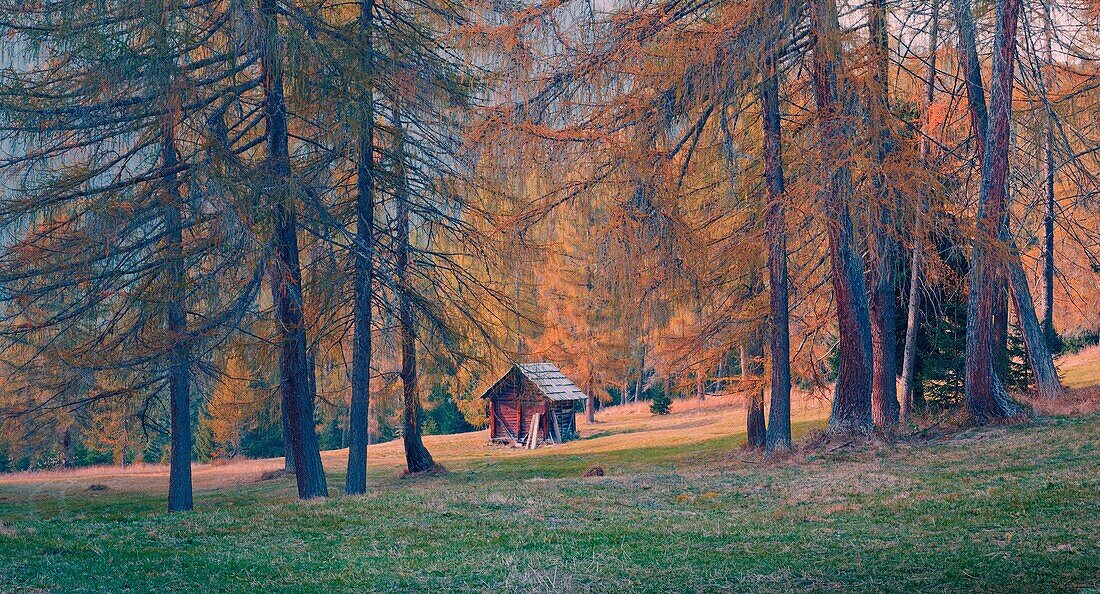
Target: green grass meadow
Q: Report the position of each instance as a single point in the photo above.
(1006, 509)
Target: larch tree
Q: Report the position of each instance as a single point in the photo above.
(281, 191)
(110, 219)
(884, 395)
(992, 253)
(851, 410)
(364, 263)
(417, 457)
(1050, 168)
(779, 338)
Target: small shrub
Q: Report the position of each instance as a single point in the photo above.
(661, 403)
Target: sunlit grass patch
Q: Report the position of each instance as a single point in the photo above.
(1081, 369)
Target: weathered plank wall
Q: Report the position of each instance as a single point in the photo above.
(512, 407)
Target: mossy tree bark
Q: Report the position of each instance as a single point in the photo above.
(417, 457)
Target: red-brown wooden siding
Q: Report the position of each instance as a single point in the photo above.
(515, 408)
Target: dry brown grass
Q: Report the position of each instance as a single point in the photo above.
(1076, 402)
(1081, 369)
(801, 400)
(141, 477)
(617, 428)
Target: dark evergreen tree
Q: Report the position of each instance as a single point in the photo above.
(661, 403)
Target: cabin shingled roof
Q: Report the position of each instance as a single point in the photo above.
(549, 380)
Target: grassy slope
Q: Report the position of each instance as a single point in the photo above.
(1081, 369)
(1011, 508)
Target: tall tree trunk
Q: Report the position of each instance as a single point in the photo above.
(1039, 337)
(1048, 244)
(286, 273)
(700, 373)
(1014, 282)
(118, 457)
(884, 392)
(753, 365)
(1047, 384)
(364, 270)
(417, 457)
(68, 457)
(883, 311)
(851, 410)
(989, 404)
(775, 231)
(979, 124)
(912, 323)
(986, 399)
(180, 496)
(641, 374)
(1051, 203)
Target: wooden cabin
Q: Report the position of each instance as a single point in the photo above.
(533, 395)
